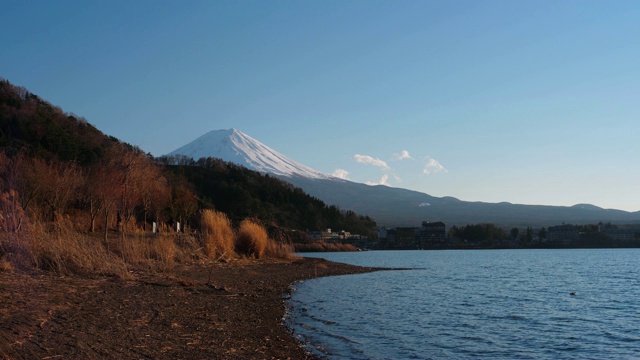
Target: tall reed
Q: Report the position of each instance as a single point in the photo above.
(217, 234)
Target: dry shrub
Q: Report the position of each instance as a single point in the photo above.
(217, 234)
(252, 239)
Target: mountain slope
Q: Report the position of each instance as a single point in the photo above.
(401, 207)
(235, 146)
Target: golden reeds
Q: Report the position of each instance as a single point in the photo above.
(217, 234)
(252, 239)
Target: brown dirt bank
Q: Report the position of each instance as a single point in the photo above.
(220, 311)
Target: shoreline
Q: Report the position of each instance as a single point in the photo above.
(224, 310)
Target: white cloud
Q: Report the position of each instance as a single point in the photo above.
(365, 159)
(404, 154)
(383, 181)
(433, 166)
(342, 174)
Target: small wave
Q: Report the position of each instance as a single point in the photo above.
(326, 322)
(515, 317)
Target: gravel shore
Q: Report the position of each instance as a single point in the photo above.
(218, 311)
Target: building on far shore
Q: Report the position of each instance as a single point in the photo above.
(563, 234)
(430, 235)
(621, 233)
(329, 235)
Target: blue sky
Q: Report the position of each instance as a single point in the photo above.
(534, 102)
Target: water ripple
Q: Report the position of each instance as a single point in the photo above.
(475, 304)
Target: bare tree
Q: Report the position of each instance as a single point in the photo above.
(133, 176)
(91, 195)
(184, 202)
(60, 185)
(155, 195)
(24, 183)
(102, 192)
(11, 213)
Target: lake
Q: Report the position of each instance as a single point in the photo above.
(498, 304)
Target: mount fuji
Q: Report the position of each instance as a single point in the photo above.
(386, 205)
(237, 147)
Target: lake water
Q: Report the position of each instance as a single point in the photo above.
(497, 304)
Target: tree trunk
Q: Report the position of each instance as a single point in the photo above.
(93, 213)
(106, 227)
(144, 221)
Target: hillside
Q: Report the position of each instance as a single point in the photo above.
(30, 123)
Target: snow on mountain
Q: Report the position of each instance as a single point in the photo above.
(237, 147)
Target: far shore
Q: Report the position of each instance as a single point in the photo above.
(221, 310)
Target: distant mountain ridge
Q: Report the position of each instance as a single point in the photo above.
(401, 207)
(386, 205)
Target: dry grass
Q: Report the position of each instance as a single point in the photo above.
(132, 250)
(188, 248)
(62, 248)
(217, 234)
(160, 252)
(323, 246)
(252, 239)
(165, 251)
(65, 251)
(280, 251)
(5, 265)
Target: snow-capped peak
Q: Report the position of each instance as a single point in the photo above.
(235, 146)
